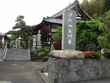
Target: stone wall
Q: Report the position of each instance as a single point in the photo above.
(70, 70)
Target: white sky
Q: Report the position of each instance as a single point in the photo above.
(32, 10)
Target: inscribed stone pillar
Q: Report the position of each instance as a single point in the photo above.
(69, 29)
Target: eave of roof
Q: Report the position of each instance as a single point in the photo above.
(54, 18)
(2, 34)
(51, 20)
(70, 7)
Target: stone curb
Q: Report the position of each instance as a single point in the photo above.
(45, 77)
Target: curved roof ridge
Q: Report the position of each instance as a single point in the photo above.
(67, 7)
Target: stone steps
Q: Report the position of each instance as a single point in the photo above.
(17, 54)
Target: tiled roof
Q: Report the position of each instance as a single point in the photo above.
(54, 18)
(70, 7)
(2, 34)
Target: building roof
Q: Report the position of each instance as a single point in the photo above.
(73, 6)
(53, 20)
(2, 34)
(57, 18)
(69, 7)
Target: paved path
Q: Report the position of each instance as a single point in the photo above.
(17, 54)
(103, 80)
(21, 72)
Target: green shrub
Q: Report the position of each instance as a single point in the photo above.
(44, 59)
(47, 54)
(107, 53)
(30, 42)
(86, 33)
(38, 50)
(35, 54)
(42, 54)
(45, 49)
(42, 69)
(93, 55)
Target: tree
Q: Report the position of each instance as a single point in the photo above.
(22, 30)
(45, 34)
(14, 37)
(58, 33)
(86, 33)
(107, 5)
(104, 39)
(95, 8)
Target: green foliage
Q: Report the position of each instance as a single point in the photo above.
(13, 37)
(103, 28)
(23, 30)
(30, 42)
(95, 8)
(42, 54)
(42, 69)
(45, 49)
(44, 59)
(107, 5)
(86, 33)
(93, 55)
(38, 50)
(47, 54)
(58, 33)
(104, 39)
(107, 53)
(35, 54)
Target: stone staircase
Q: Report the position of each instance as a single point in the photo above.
(17, 54)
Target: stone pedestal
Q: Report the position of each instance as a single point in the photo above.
(69, 54)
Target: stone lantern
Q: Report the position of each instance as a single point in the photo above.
(19, 42)
(16, 43)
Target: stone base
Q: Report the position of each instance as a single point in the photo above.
(33, 50)
(67, 54)
(39, 47)
(71, 70)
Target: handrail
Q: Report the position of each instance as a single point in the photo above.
(29, 51)
(5, 51)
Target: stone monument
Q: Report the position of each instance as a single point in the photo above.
(39, 46)
(69, 29)
(67, 55)
(68, 38)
